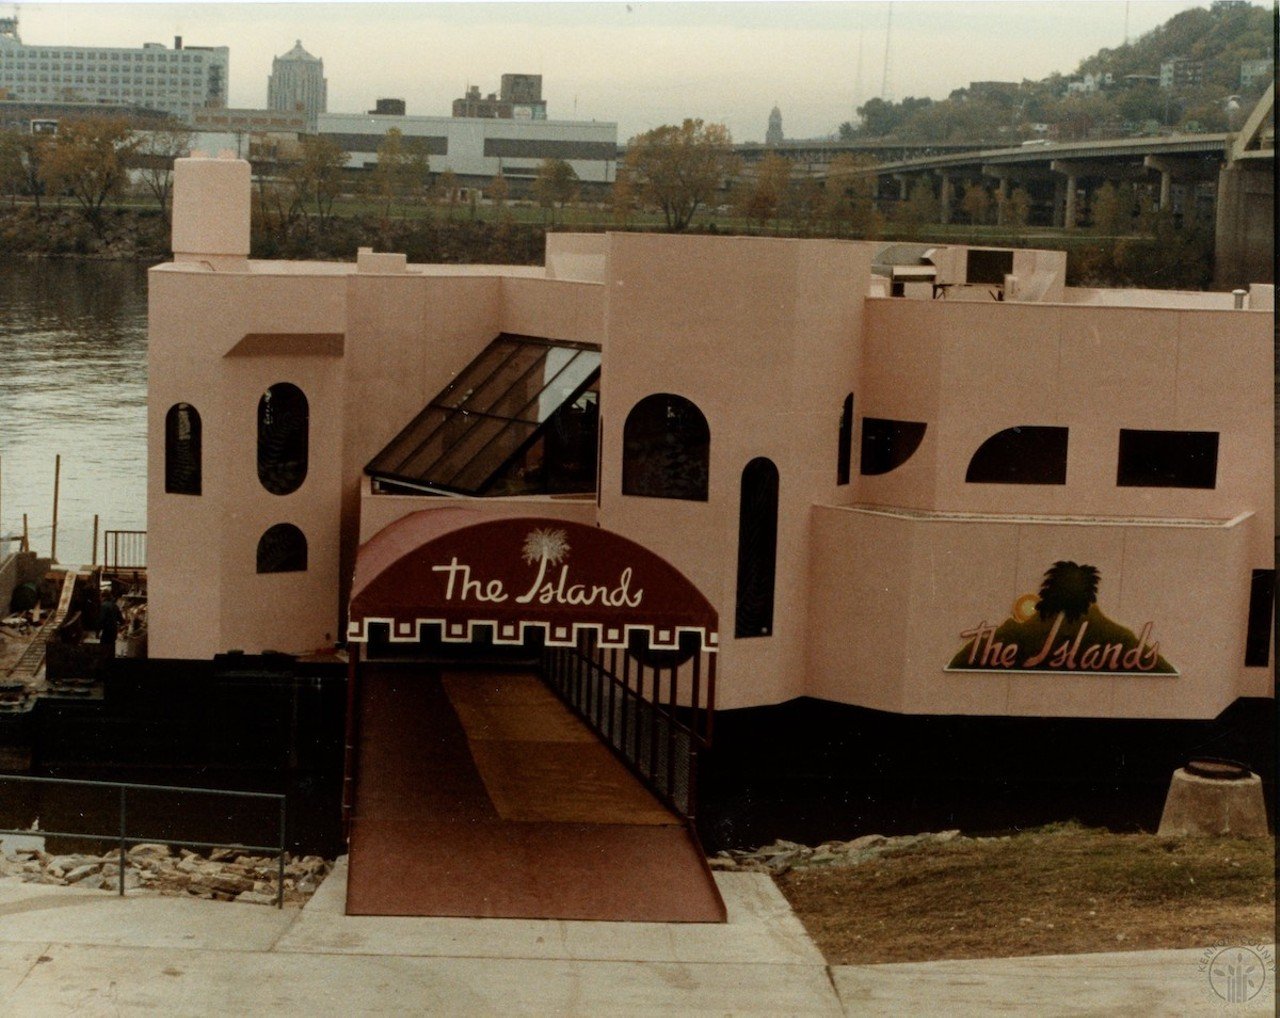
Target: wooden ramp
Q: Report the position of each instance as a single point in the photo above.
(479, 794)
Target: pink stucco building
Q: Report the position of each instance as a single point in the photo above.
(865, 458)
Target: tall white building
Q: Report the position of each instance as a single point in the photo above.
(177, 80)
(297, 82)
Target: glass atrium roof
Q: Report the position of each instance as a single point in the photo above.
(494, 410)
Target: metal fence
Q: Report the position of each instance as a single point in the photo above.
(123, 838)
(636, 709)
(124, 549)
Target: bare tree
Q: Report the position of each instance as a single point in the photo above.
(154, 156)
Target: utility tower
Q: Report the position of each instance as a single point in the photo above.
(888, 47)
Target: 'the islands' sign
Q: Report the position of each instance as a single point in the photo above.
(544, 549)
(1061, 629)
(499, 579)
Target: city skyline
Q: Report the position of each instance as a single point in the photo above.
(638, 64)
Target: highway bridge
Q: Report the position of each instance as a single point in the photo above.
(1223, 180)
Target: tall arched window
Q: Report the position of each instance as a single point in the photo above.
(182, 450)
(757, 549)
(844, 452)
(282, 549)
(282, 438)
(666, 449)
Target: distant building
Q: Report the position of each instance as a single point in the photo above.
(520, 98)
(1252, 71)
(773, 136)
(297, 82)
(177, 81)
(388, 108)
(247, 120)
(44, 117)
(1090, 83)
(478, 149)
(1181, 73)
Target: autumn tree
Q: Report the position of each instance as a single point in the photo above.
(556, 185)
(315, 177)
(622, 196)
(446, 189)
(88, 162)
(849, 201)
(22, 164)
(921, 209)
(976, 203)
(499, 193)
(156, 151)
(390, 174)
(1017, 211)
(679, 169)
(769, 189)
(1105, 211)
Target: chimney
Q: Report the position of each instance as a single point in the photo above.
(177, 42)
(211, 212)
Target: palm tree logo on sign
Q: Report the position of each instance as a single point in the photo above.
(1061, 629)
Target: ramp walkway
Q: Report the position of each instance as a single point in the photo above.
(478, 793)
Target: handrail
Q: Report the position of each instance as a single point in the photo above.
(644, 732)
(124, 549)
(123, 838)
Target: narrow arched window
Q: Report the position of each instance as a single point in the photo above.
(1027, 454)
(282, 438)
(182, 450)
(887, 444)
(666, 449)
(282, 549)
(757, 549)
(844, 452)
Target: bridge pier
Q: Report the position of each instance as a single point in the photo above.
(1244, 240)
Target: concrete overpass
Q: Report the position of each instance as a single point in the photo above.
(1067, 171)
(1224, 180)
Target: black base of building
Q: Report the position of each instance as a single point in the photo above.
(810, 770)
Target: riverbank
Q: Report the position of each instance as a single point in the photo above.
(1168, 259)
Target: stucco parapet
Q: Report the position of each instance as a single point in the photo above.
(1019, 519)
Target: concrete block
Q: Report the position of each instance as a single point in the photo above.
(1210, 806)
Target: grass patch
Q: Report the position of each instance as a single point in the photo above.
(1056, 890)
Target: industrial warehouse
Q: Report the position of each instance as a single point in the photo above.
(663, 479)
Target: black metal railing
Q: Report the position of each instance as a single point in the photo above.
(123, 838)
(635, 707)
(124, 549)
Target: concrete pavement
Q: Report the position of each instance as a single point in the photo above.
(66, 951)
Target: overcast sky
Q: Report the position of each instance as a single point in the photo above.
(639, 64)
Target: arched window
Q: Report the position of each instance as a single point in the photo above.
(1027, 454)
(182, 450)
(887, 444)
(666, 449)
(282, 549)
(282, 438)
(844, 452)
(757, 549)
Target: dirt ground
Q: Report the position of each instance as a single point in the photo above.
(1056, 890)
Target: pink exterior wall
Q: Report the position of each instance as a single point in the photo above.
(756, 333)
(875, 580)
(899, 591)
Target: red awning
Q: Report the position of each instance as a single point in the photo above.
(454, 569)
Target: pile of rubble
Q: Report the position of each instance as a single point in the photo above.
(225, 874)
(782, 856)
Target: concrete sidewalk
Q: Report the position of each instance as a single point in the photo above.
(66, 951)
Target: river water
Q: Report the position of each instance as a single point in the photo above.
(73, 382)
